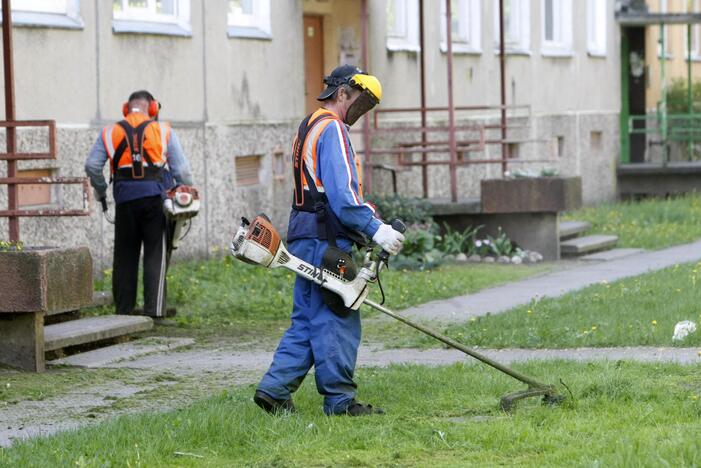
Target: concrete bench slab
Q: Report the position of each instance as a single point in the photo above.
(91, 329)
(569, 229)
(612, 254)
(581, 245)
(120, 352)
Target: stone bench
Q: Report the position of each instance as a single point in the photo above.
(33, 283)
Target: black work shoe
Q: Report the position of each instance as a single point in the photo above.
(361, 409)
(271, 405)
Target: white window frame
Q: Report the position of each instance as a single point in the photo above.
(408, 40)
(561, 43)
(62, 14)
(668, 55)
(469, 30)
(597, 25)
(136, 20)
(695, 34)
(518, 27)
(254, 26)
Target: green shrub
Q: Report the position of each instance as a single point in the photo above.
(456, 242)
(408, 209)
(11, 246)
(677, 98)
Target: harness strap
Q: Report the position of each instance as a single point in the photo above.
(134, 138)
(320, 202)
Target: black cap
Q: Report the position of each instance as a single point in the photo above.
(340, 75)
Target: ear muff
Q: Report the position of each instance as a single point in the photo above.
(153, 108)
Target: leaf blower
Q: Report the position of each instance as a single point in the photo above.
(258, 243)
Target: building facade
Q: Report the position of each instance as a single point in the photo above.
(235, 77)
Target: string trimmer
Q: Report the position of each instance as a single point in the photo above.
(258, 243)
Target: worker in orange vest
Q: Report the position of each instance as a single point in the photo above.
(146, 160)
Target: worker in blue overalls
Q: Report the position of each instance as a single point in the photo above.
(328, 211)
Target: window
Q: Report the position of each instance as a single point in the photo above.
(465, 26)
(665, 28)
(596, 27)
(166, 17)
(50, 13)
(516, 26)
(249, 19)
(557, 27)
(403, 25)
(695, 33)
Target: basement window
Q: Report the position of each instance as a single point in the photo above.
(248, 170)
(61, 14)
(33, 194)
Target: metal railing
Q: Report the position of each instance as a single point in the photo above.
(480, 137)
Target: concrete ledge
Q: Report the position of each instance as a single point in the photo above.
(120, 352)
(587, 244)
(531, 195)
(569, 229)
(91, 329)
(46, 280)
(648, 179)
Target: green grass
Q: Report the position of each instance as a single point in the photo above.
(635, 311)
(623, 414)
(648, 224)
(222, 296)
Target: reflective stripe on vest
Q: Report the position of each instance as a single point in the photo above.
(155, 142)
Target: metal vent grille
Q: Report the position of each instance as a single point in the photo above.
(248, 170)
(284, 258)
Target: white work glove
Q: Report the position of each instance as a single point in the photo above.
(389, 239)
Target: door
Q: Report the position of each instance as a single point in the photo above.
(636, 90)
(313, 60)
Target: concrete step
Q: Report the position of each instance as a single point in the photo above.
(612, 254)
(91, 329)
(587, 244)
(111, 354)
(570, 229)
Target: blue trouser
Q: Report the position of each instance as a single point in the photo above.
(316, 337)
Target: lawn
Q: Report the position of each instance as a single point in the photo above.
(649, 224)
(622, 414)
(640, 311)
(223, 296)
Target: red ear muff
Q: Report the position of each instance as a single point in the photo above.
(125, 109)
(153, 108)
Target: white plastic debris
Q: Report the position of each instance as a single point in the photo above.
(683, 329)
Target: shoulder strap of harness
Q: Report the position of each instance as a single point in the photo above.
(299, 168)
(134, 139)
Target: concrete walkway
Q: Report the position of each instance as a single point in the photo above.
(502, 298)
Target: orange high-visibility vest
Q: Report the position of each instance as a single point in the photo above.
(147, 138)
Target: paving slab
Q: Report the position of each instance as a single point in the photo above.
(91, 329)
(123, 351)
(608, 255)
(580, 245)
(502, 298)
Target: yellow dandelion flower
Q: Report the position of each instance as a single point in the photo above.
(530, 311)
(593, 328)
(654, 322)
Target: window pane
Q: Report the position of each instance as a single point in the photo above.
(117, 5)
(396, 18)
(549, 21)
(241, 7)
(137, 3)
(165, 7)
